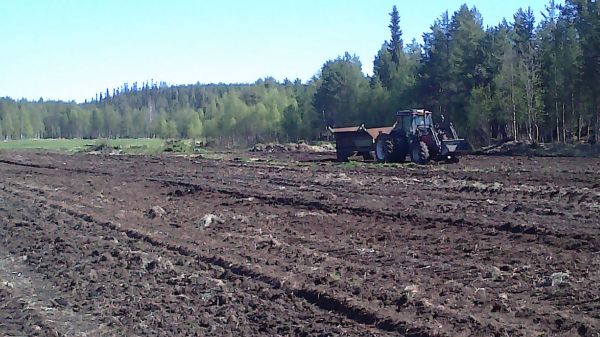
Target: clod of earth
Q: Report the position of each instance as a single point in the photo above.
(209, 219)
(155, 212)
(480, 295)
(408, 294)
(302, 214)
(494, 273)
(59, 302)
(554, 280)
(335, 276)
(241, 218)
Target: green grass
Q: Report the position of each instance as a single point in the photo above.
(44, 144)
(133, 146)
(350, 165)
(353, 164)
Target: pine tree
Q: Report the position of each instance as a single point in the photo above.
(525, 44)
(550, 73)
(395, 46)
(587, 20)
(465, 60)
(434, 73)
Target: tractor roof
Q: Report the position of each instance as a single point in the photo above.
(413, 112)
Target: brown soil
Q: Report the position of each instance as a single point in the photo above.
(296, 245)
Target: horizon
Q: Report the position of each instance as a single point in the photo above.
(73, 54)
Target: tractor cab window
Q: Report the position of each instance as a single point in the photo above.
(406, 122)
(421, 121)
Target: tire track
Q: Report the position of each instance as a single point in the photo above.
(590, 242)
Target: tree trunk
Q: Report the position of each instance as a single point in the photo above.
(596, 113)
(556, 98)
(557, 119)
(588, 130)
(529, 94)
(563, 124)
(579, 121)
(529, 125)
(514, 104)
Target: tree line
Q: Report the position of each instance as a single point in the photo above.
(516, 80)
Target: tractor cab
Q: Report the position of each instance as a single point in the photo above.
(420, 122)
(411, 120)
(424, 139)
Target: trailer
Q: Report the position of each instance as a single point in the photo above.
(357, 140)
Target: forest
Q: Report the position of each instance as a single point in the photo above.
(520, 79)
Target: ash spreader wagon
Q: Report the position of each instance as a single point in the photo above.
(413, 133)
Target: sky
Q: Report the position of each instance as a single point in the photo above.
(72, 49)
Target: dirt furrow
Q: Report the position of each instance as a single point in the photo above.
(325, 301)
(588, 242)
(396, 294)
(491, 246)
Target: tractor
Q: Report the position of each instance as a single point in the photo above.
(413, 134)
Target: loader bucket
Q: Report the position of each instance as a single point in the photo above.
(455, 147)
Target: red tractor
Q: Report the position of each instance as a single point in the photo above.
(413, 133)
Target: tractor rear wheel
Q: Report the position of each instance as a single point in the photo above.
(401, 148)
(419, 153)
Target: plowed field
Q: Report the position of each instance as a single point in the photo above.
(295, 245)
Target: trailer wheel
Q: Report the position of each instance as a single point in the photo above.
(419, 153)
(342, 156)
(384, 148)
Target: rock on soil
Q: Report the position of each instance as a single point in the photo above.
(209, 219)
(155, 212)
(554, 280)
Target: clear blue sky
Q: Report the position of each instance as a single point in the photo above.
(72, 49)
